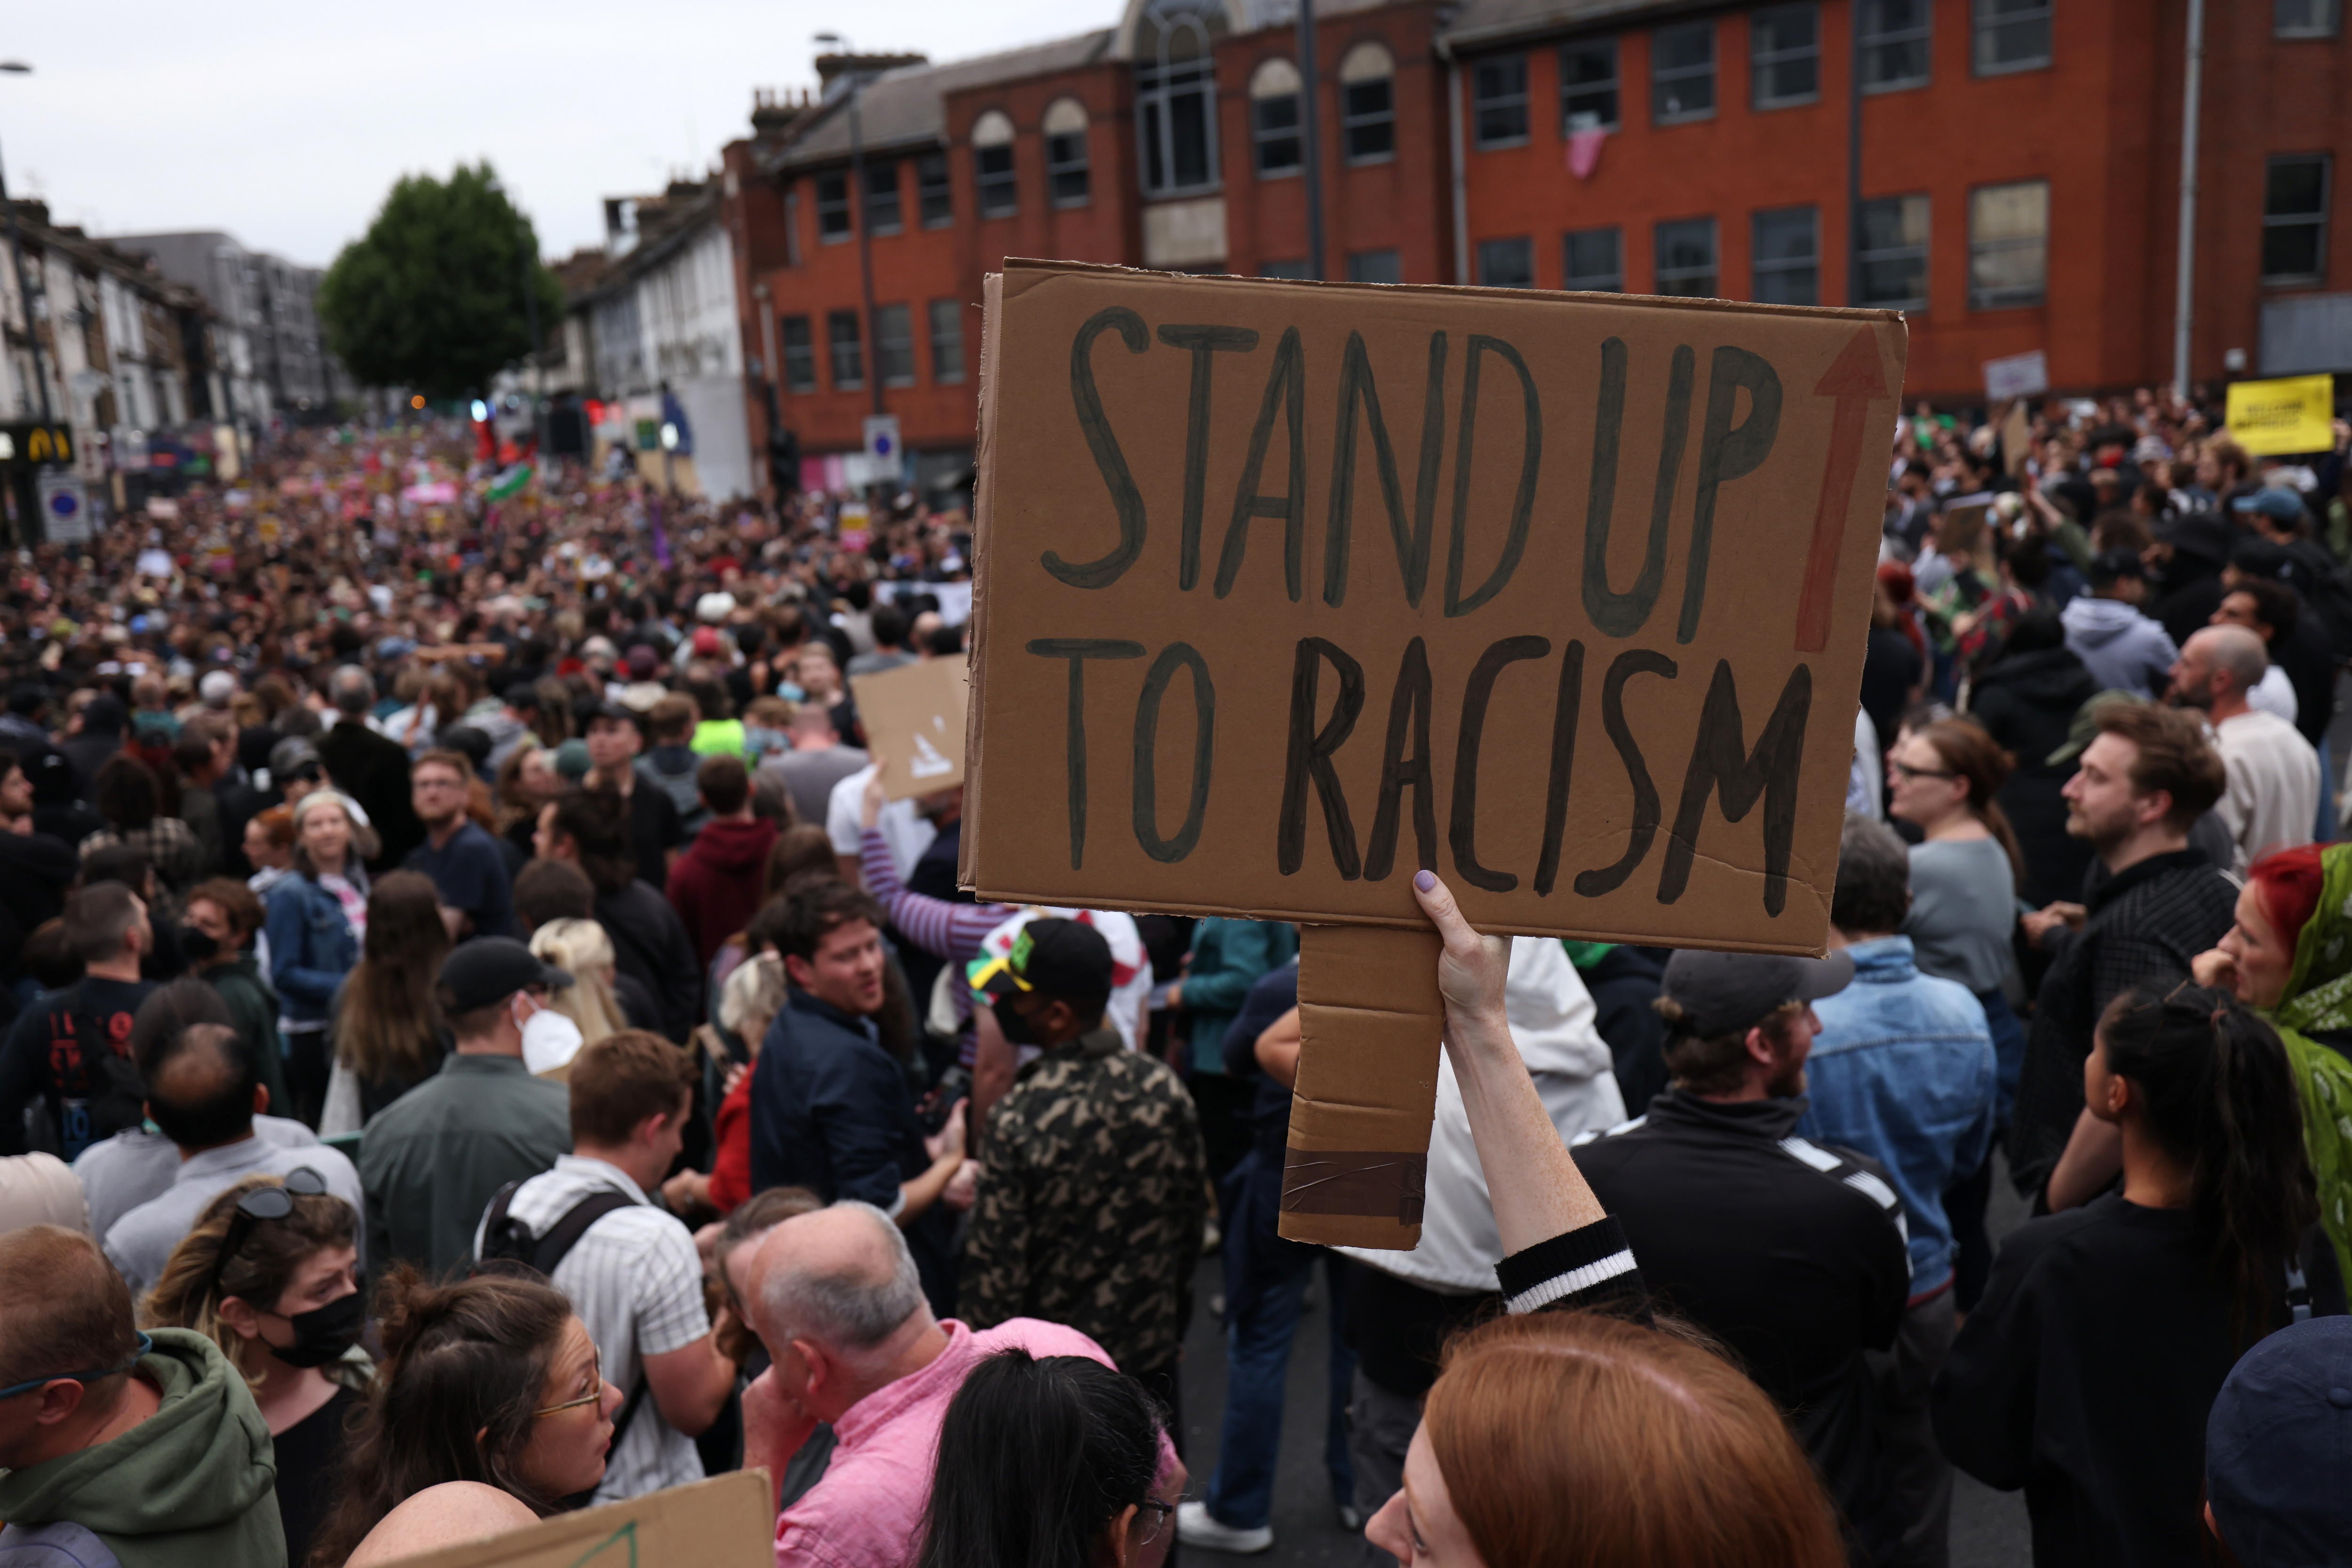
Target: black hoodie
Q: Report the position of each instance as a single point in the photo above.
(2028, 701)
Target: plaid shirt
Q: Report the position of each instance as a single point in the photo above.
(1091, 1202)
(169, 845)
(2142, 927)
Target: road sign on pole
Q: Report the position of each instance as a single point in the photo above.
(65, 509)
(882, 443)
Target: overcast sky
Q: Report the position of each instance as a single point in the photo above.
(285, 123)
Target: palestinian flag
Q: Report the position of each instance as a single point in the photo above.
(510, 483)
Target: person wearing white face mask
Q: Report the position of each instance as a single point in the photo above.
(433, 1160)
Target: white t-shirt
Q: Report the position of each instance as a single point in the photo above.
(2276, 695)
(906, 831)
(2273, 800)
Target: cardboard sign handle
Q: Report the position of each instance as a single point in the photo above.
(1370, 1024)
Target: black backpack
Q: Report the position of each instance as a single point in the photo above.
(507, 1239)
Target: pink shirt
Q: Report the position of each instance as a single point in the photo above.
(868, 1511)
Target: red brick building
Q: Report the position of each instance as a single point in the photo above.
(2017, 168)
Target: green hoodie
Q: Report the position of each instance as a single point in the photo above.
(192, 1486)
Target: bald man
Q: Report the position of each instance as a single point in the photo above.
(2272, 799)
(115, 1449)
(834, 1297)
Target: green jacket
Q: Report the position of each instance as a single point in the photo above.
(434, 1159)
(192, 1486)
(254, 1006)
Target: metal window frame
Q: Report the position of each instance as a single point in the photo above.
(1261, 137)
(1663, 274)
(1863, 258)
(2313, 220)
(2332, 28)
(1757, 266)
(1662, 75)
(1082, 166)
(1480, 104)
(1589, 282)
(1615, 88)
(951, 311)
(1351, 121)
(1528, 249)
(1762, 61)
(806, 353)
(847, 207)
(1985, 299)
(1009, 179)
(1924, 34)
(884, 338)
(834, 320)
(1981, 23)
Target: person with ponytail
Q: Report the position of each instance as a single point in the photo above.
(1053, 1461)
(1944, 778)
(490, 1381)
(2289, 956)
(270, 1274)
(2086, 1373)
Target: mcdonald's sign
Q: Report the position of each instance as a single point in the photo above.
(33, 443)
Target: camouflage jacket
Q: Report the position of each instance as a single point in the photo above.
(1091, 1201)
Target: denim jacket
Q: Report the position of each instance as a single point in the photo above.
(1903, 1070)
(312, 947)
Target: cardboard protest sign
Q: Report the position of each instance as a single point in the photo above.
(914, 717)
(2284, 417)
(1283, 591)
(728, 1522)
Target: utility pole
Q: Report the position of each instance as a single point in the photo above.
(1311, 116)
(865, 240)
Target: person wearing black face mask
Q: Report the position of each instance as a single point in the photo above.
(269, 1274)
(222, 914)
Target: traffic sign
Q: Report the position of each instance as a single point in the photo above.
(882, 438)
(65, 509)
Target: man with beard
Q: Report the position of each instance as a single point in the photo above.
(2271, 800)
(2140, 785)
(1790, 1252)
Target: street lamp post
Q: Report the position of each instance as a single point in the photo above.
(17, 257)
(1311, 117)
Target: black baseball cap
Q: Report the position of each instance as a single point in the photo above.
(490, 969)
(2275, 1448)
(1722, 993)
(1053, 957)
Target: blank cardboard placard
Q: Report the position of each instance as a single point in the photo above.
(726, 1522)
(1283, 591)
(914, 717)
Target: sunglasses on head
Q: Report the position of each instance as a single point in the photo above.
(263, 1203)
(14, 1389)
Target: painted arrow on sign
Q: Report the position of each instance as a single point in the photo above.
(1856, 380)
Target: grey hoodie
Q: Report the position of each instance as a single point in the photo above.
(2124, 650)
(192, 1486)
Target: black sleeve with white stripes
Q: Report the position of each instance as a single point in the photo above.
(1588, 1268)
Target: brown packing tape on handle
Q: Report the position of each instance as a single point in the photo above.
(1371, 1021)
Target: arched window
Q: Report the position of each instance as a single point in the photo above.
(1065, 153)
(1368, 103)
(1176, 95)
(992, 163)
(1275, 124)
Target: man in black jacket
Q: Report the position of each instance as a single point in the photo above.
(590, 828)
(370, 768)
(2141, 784)
(1791, 1253)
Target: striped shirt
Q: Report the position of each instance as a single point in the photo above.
(635, 1282)
(954, 931)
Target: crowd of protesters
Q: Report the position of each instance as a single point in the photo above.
(480, 1041)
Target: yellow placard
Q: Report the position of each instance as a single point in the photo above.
(2291, 415)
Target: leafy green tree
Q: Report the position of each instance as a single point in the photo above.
(432, 297)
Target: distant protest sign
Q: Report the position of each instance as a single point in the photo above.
(914, 719)
(728, 1522)
(1284, 590)
(2284, 417)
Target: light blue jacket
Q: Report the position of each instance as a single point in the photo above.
(1903, 1070)
(311, 947)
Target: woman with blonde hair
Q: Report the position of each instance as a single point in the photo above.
(389, 1035)
(747, 1002)
(270, 1274)
(582, 949)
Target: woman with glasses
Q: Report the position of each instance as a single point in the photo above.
(1051, 1462)
(269, 1275)
(489, 1380)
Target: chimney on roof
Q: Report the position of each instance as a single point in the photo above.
(828, 66)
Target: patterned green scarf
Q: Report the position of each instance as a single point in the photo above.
(2319, 1001)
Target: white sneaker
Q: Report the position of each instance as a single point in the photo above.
(1196, 1526)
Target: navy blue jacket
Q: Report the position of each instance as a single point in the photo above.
(830, 1108)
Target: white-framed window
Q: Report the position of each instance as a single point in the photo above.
(1066, 172)
(1176, 96)
(1276, 130)
(2009, 244)
(991, 165)
(1368, 103)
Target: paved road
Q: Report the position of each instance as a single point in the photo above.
(1989, 1527)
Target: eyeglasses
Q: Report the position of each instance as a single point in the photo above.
(1905, 770)
(1156, 1515)
(597, 1375)
(264, 1202)
(145, 1344)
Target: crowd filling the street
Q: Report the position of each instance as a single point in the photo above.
(484, 1041)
